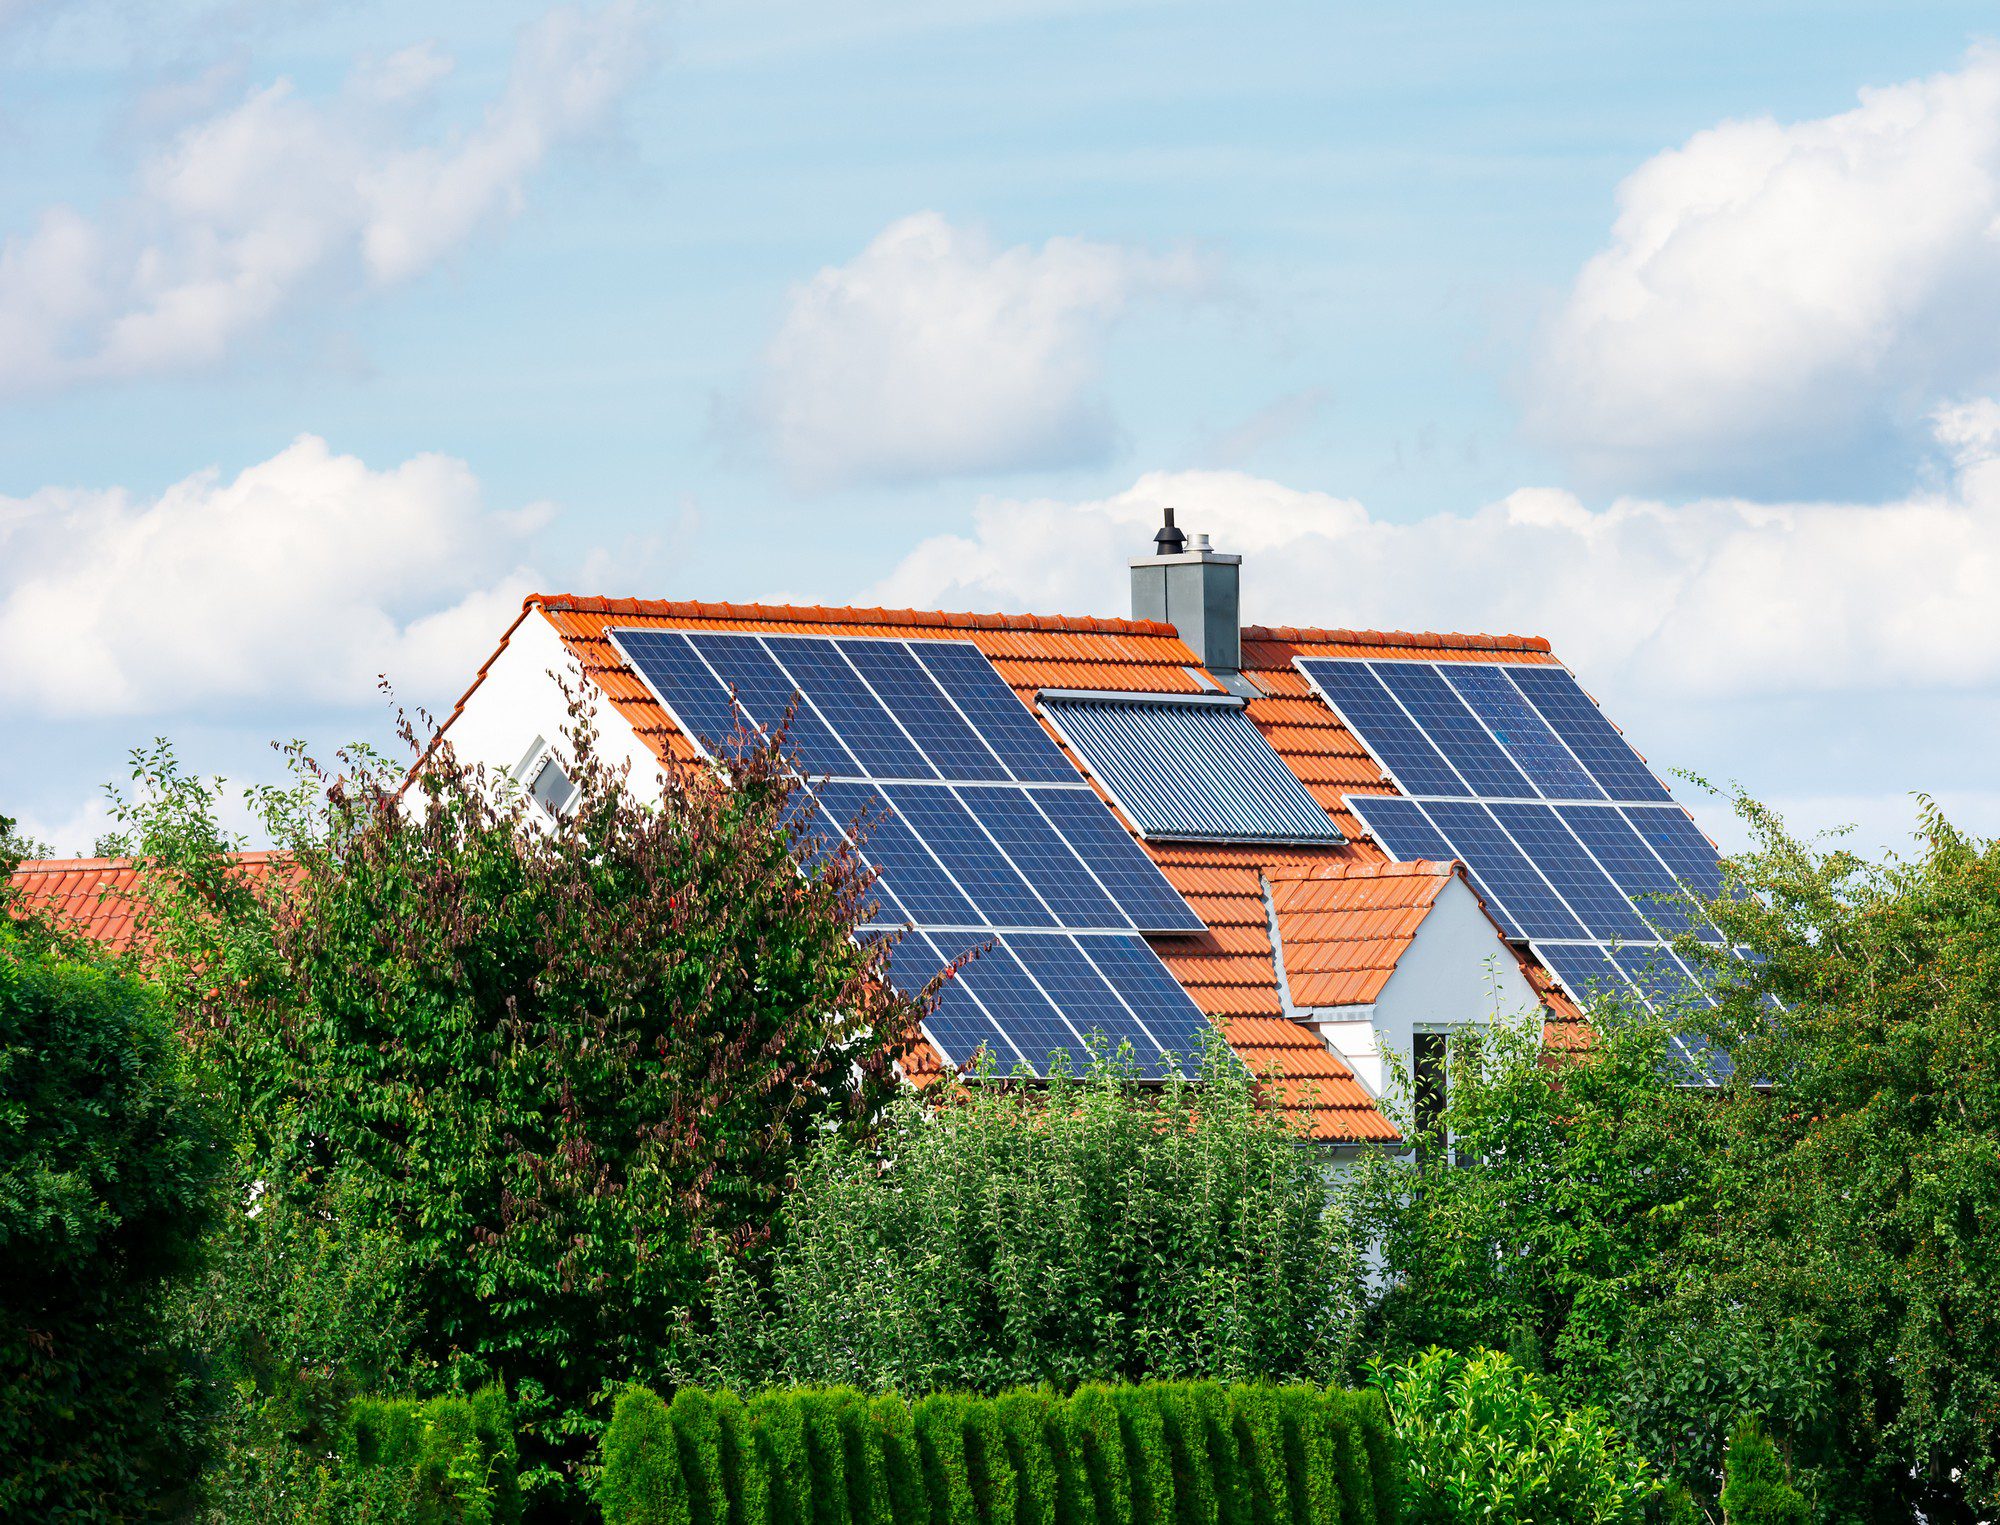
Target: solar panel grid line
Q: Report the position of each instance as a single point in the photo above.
(1478, 837)
(975, 685)
(1035, 1025)
(919, 878)
(1045, 946)
(936, 822)
(1402, 828)
(1014, 813)
(764, 692)
(1549, 766)
(1460, 735)
(908, 691)
(913, 647)
(1376, 721)
(1590, 893)
(961, 1028)
(1591, 737)
(1141, 967)
(1120, 864)
(695, 709)
(1078, 735)
(839, 692)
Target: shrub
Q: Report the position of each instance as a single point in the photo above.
(988, 1469)
(107, 1161)
(1311, 1461)
(939, 1421)
(1025, 1416)
(1146, 1459)
(698, 1435)
(1076, 1498)
(1482, 1442)
(1103, 1443)
(1756, 1489)
(867, 1465)
(1356, 1467)
(643, 1482)
(454, 1454)
(1260, 1442)
(902, 1459)
(1094, 1229)
(826, 1456)
(1188, 1460)
(779, 1425)
(744, 1477)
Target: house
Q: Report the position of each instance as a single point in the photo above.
(1318, 949)
(1336, 847)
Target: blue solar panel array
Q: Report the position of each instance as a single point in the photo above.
(982, 835)
(1574, 845)
(1190, 768)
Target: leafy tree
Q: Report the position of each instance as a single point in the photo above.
(106, 1159)
(564, 1063)
(16, 845)
(996, 1234)
(1484, 1444)
(1863, 1200)
(1756, 1489)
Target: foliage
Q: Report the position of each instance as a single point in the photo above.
(16, 845)
(1149, 1452)
(566, 1064)
(1863, 1203)
(106, 1160)
(454, 1453)
(1756, 1489)
(293, 1314)
(995, 1234)
(1482, 1441)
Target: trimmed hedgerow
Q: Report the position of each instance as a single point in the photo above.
(868, 1497)
(1025, 1416)
(779, 1426)
(643, 1482)
(1076, 1504)
(902, 1459)
(745, 1479)
(826, 1456)
(1385, 1461)
(1154, 1454)
(988, 1468)
(1350, 1461)
(456, 1452)
(940, 1426)
(698, 1435)
(1309, 1456)
(1146, 1459)
(1260, 1442)
(1103, 1441)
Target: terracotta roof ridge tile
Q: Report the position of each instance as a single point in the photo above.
(1442, 640)
(817, 614)
(1307, 873)
(122, 865)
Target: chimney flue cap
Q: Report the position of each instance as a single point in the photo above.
(1169, 541)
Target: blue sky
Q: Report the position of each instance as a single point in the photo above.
(1666, 331)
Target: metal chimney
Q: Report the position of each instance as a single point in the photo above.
(1197, 592)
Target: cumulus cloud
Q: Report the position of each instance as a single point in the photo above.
(933, 353)
(1775, 296)
(1719, 599)
(301, 578)
(245, 212)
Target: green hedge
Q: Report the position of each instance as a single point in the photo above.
(1166, 1453)
(458, 1454)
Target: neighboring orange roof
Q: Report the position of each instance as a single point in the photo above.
(1230, 969)
(1343, 928)
(97, 897)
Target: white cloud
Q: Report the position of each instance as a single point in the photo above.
(1778, 295)
(933, 353)
(300, 579)
(1712, 600)
(248, 211)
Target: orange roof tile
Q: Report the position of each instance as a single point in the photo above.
(97, 897)
(1343, 927)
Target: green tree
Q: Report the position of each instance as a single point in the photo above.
(563, 1062)
(1484, 1444)
(106, 1163)
(996, 1234)
(1755, 1488)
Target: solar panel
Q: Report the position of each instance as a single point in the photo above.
(978, 828)
(1593, 740)
(1381, 724)
(1189, 768)
(1569, 838)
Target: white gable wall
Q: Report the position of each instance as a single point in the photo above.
(519, 701)
(1455, 973)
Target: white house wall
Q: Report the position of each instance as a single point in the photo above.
(519, 700)
(1455, 972)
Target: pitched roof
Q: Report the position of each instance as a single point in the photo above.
(1230, 969)
(1344, 927)
(97, 897)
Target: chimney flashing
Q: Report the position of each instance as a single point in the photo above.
(1187, 558)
